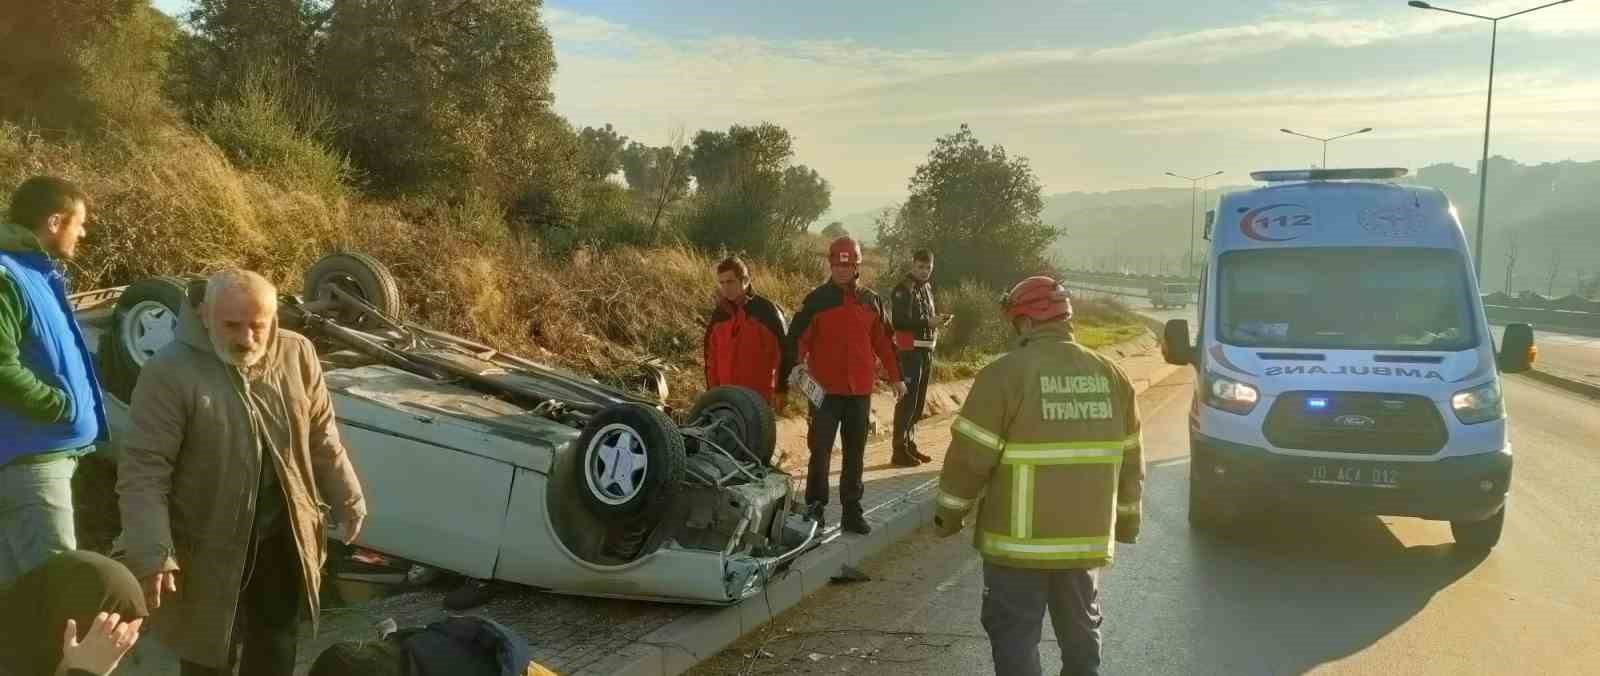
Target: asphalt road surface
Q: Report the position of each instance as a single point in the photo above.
(1292, 594)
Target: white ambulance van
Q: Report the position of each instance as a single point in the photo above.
(1343, 358)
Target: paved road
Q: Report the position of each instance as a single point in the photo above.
(1301, 594)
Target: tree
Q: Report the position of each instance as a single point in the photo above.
(84, 65)
(1512, 252)
(1555, 271)
(234, 39)
(602, 152)
(740, 155)
(749, 197)
(447, 96)
(657, 176)
(805, 196)
(835, 230)
(977, 208)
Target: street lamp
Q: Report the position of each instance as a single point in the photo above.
(1194, 200)
(1488, 107)
(1325, 140)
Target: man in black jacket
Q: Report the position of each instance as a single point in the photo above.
(916, 332)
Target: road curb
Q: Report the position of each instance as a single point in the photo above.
(1574, 386)
(683, 643)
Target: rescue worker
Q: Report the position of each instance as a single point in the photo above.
(1047, 449)
(838, 331)
(744, 341)
(916, 333)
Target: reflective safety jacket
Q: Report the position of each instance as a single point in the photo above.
(1047, 449)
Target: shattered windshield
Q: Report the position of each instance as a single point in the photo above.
(1346, 298)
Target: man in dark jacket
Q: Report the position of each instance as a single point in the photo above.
(744, 341)
(50, 410)
(916, 333)
(836, 334)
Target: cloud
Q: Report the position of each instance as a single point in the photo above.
(864, 114)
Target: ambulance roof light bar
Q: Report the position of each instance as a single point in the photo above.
(1372, 174)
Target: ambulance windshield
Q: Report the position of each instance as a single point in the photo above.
(1353, 298)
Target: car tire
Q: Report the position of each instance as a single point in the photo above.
(1206, 513)
(1479, 536)
(751, 418)
(358, 275)
(631, 461)
(143, 321)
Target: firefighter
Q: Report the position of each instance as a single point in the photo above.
(838, 331)
(1047, 451)
(916, 333)
(744, 341)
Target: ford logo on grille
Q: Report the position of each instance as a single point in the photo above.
(1356, 421)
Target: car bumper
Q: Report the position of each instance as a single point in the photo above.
(1449, 489)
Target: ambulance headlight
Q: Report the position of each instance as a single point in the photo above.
(1480, 404)
(1230, 395)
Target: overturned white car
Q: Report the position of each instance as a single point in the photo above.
(499, 468)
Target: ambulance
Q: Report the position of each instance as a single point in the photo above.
(1344, 360)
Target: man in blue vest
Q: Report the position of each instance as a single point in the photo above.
(50, 409)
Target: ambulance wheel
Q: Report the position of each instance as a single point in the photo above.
(1479, 536)
(1206, 512)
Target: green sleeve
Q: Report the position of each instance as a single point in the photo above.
(20, 389)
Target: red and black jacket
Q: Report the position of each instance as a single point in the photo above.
(915, 320)
(744, 346)
(837, 333)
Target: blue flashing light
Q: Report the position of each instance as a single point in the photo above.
(1317, 403)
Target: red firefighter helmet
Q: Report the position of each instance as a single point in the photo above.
(844, 250)
(1039, 297)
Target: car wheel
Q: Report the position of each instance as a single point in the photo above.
(359, 275)
(144, 320)
(1479, 536)
(1206, 512)
(744, 415)
(632, 461)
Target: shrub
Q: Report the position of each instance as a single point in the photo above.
(273, 128)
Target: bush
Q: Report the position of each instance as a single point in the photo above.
(273, 128)
(978, 328)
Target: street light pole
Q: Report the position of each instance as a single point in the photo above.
(1488, 109)
(1194, 202)
(1325, 140)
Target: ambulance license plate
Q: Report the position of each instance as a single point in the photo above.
(1364, 477)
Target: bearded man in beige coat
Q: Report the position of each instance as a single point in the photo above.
(230, 466)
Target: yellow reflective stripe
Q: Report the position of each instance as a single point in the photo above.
(1131, 443)
(1022, 501)
(949, 501)
(1064, 453)
(977, 433)
(1045, 548)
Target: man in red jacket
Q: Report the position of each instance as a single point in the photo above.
(837, 333)
(744, 341)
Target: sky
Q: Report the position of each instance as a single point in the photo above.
(1097, 95)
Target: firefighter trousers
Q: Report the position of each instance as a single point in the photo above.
(1014, 601)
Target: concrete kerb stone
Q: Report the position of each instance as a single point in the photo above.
(679, 646)
(1574, 386)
